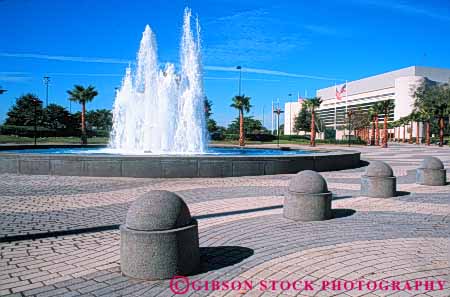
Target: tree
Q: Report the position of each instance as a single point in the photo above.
(386, 106)
(423, 104)
(404, 121)
(100, 119)
(302, 122)
(415, 117)
(241, 103)
(312, 104)
(359, 120)
(82, 95)
(434, 99)
(211, 124)
(22, 113)
(441, 108)
(208, 107)
(252, 126)
(376, 110)
(56, 117)
(373, 117)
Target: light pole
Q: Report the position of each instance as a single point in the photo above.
(278, 111)
(240, 78)
(46, 81)
(2, 90)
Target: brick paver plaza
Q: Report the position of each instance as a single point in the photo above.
(59, 236)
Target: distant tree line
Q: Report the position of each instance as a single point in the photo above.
(53, 120)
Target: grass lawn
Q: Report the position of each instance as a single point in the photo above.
(7, 139)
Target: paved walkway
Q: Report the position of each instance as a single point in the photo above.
(243, 235)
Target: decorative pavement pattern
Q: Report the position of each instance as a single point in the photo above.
(74, 245)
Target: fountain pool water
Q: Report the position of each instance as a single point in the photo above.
(210, 152)
(162, 111)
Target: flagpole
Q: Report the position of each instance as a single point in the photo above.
(346, 97)
(335, 102)
(278, 106)
(272, 117)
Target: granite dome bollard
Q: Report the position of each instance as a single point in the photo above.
(308, 198)
(159, 239)
(431, 172)
(378, 181)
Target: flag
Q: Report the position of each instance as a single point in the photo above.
(341, 91)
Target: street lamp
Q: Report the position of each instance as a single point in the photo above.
(278, 111)
(240, 77)
(46, 81)
(2, 90)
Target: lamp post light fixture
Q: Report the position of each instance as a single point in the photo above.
(240, 78)
(46, 82)
(2, 90)
(278, 111)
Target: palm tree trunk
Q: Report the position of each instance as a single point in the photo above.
(83, 123)
(398, 138)
(410, 132)
(372, 136)
(417, 133)
(377, 131)
(241, 128)
(427, 133)
(441, 131)
(313, 128)
(404, 133)
(368, 135)
(385, 130)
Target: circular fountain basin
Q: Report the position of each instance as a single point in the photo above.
(217, 162)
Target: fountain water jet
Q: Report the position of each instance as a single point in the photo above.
(161, 111)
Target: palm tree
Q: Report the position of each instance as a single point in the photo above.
(434, 99)
(404, 122)
(377, 108)
(410, 122)
(241, 103)
(374, 119)
(426, 118)
(386, 107)
(423, 104)
(82, 95)
(441, 108)
(415, 117)
(312, 104)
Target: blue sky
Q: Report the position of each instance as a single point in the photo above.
(283, 46)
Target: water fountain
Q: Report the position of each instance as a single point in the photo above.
(159, 130)
(161, 111)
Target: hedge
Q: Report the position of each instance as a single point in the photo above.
(28, 131)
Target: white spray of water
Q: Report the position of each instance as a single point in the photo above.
(162, 111)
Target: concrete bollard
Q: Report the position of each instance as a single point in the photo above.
(308, 198)
(159, 239)
(431, 172)
(378, 181)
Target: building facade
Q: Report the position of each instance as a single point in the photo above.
(398, 86)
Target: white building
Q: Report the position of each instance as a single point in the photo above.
(398, 85)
